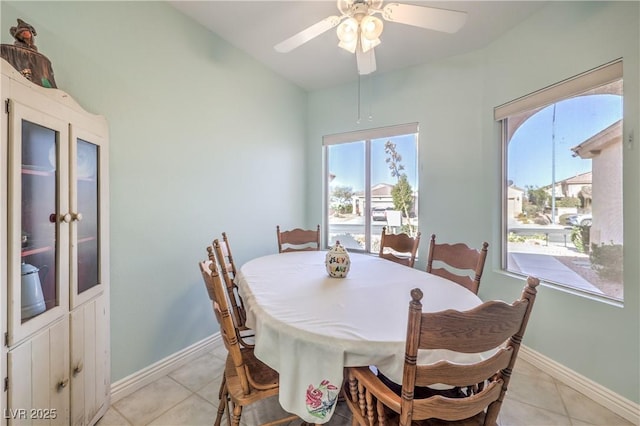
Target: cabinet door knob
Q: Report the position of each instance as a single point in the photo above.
(63, 384)
(66, 218)
(77, 369)
(77, 217)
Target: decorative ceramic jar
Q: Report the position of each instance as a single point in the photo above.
(337, 261)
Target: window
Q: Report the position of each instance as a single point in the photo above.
(562, 194)
(371, 181)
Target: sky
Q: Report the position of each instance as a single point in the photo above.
(576, 119)
(530, 150)
(347, 161)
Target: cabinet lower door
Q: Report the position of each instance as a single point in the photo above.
(89, 391)
(39, 378)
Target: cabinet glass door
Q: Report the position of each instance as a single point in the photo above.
(87, 198)
(38, 231)
(86, 252)
(39, 290)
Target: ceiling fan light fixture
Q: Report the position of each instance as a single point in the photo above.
(349, 46)
(371, 27)
(347, 31)
(359, 30)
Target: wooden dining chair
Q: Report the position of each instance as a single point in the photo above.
(476, 390)
(245, 334)
(223, 255)
(399, 248)
(298, 239)
(246, 380)
(453, 259)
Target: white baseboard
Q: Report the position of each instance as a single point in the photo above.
(149, 374)
(603, 396)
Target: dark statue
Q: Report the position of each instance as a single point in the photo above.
(23, 55)
(24, 35)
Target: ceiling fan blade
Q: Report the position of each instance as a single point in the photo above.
(448, 21)
(307, 34)
(366, 61)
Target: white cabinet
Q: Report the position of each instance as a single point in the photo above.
(55, 293)
(89, 356)
(39, 374)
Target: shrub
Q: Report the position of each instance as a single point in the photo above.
(580, 237)
(515, 238)
(521, 238)
(531, 210)
(568, 202)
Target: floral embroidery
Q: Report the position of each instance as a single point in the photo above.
(320, 400)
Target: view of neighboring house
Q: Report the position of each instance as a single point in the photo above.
(515, 197)
(578, 186)
(605, 151)
(380, 197)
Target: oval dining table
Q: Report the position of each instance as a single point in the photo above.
(309, 326)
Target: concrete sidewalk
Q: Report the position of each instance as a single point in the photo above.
(549, 268)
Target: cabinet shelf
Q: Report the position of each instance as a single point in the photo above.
(37, 171)
(30, 252)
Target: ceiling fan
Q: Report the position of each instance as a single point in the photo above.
(359, 29)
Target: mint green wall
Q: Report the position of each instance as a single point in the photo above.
(203, 140)
(185, 109)
(459, 151)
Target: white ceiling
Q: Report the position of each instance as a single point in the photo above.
(256, 26)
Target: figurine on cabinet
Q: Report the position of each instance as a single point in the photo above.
(23, 55)
(24, 35)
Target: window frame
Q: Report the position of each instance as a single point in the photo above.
(566, 89)
(366, 136)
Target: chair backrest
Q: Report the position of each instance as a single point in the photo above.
(298, 239)
(227, 264)
(399, 248)
(484, 384)
(228, 272)
(462, 259)
(228, 330)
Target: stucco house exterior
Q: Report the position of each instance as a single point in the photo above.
(515, 196)
(605, 151)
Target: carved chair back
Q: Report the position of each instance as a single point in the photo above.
(399, 248)
(476, 391)
(298, 239)
(454, 260)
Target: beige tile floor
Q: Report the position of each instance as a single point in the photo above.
(189, 396)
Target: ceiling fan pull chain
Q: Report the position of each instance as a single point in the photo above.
(370, 79)
(359, 85)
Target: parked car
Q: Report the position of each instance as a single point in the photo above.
(585, 219)
(378, 213)
(579, 219)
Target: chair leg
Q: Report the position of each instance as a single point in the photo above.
(491, 417)
(222, 404)
(237, 412)
(228, 412)
(222, 385)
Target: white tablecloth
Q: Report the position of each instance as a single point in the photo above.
(310, 326)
